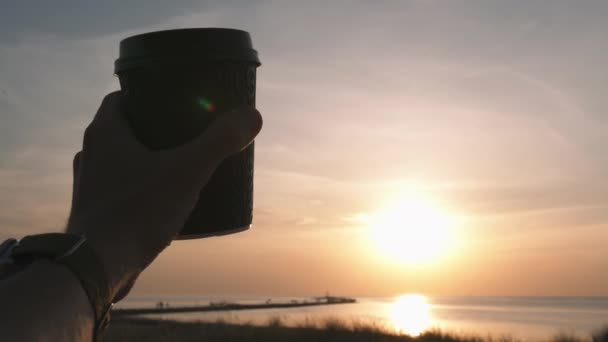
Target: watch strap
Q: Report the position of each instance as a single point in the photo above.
(76, 254)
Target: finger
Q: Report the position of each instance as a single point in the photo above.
(230, 133)
(76, 171)
(111, 123)
(76, 164)
(109, 105)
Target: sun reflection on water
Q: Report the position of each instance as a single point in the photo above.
(411, 314)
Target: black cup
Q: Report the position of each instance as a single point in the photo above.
(176, 83)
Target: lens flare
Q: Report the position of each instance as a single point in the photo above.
(206, 104)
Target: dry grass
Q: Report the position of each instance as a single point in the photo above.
(310, 330)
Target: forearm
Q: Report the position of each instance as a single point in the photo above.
(44, 302)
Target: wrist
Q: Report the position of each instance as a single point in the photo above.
(74, 253)
(65, 284)
(121, 257)
(53, 302)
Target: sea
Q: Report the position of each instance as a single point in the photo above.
(524, 318)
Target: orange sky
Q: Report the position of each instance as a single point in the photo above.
(495, 112)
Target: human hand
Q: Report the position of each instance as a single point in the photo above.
(130, 202)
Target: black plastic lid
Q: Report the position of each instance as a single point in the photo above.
(182, 45)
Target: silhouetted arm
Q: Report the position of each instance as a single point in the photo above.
(44, 302)
(129, 203)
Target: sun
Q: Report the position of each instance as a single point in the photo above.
(413, 229)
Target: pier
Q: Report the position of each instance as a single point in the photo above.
(228, 306)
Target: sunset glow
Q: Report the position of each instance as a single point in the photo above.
(437, 147)
(411, 230)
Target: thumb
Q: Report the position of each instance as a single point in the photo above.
(229, 134)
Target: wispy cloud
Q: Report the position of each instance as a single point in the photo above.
(495, 107)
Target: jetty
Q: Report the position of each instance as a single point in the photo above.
(162, 308)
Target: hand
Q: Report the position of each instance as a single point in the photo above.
(129, 201)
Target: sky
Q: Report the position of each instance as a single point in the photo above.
(495, 110)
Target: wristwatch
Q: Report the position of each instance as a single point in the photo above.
(78, 256)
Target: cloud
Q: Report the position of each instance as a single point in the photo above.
(414, 91)
(497, 108)
(77, 19)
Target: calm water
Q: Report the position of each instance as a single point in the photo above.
(529, 318)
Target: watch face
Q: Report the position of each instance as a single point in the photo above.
(6, 249)
(7, 264)
(52, 246)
